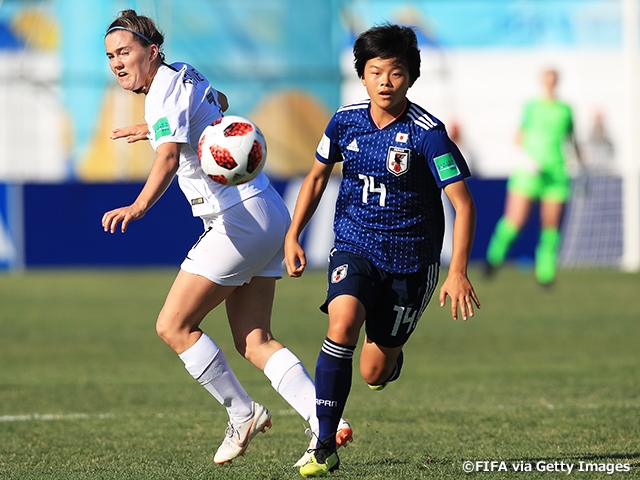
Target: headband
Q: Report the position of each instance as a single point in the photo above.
(147, 39)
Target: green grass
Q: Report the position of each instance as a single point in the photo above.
(87, 390)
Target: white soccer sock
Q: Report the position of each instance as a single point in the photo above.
(208, 365)
(291, 380)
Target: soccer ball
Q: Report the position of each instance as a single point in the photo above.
(232, 150)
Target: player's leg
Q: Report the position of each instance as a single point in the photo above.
(352, 284)
(517, 210)
(398, 308)
(249, 313)
(189, 300)
(256, 232)
(334, 367)
(555, 192)
(191, 297)
(227, 256)
(549, 243)
(333, 376)
(522, 188)
(380, 365)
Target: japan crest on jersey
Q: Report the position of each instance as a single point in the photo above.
(339, 273)
(398, 160)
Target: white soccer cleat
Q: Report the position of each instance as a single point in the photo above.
(238, 435)
(344, 436)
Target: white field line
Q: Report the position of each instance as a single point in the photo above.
(37, 417)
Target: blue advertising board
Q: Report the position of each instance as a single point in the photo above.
(59, 225)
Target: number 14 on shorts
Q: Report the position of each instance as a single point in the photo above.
(405, 315)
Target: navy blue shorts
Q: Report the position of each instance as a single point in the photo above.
(394, 302)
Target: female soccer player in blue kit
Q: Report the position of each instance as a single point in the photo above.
(388, 225)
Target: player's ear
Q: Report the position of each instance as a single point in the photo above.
(154, 51)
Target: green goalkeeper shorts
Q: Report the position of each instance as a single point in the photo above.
(553, 185)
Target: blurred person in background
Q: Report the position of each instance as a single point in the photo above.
(601, 151)
(237, 259)
(541, 175)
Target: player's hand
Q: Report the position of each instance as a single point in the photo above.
(294, 257)
(459, 288)
(132, 133)
(111, 219)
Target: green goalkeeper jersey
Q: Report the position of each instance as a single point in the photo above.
(546, 125)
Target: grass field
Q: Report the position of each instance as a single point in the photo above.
(87, 390)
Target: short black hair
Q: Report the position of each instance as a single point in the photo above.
(388, 41)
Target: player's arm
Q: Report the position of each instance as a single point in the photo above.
(162, 172)
(132, 133)
(457, 284)
(308, 199)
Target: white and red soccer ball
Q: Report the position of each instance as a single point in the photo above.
(232, 150)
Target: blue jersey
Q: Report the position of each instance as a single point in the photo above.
(389, 207)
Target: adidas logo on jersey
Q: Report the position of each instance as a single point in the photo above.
(353, 146)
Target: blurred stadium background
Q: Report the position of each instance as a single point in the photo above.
(287, 65)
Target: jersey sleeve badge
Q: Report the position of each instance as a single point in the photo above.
(446, 166)
(161, 128)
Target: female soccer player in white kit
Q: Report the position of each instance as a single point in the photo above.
(236, 260)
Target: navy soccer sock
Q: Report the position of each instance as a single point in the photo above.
(334, 372)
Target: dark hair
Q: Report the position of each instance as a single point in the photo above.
(388, 41)
(144, 29)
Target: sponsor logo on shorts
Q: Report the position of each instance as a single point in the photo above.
(339, 273)
(197, 201)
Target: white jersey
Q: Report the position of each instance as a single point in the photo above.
(179, 105)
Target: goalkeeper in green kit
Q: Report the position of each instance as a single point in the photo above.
(547, 125)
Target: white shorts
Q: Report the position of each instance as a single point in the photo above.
(242, 242)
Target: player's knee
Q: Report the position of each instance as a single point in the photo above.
(374, 373)
(168, 331)
(163, 330)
